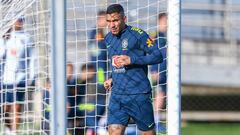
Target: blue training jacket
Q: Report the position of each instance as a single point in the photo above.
(161, 68)
(135, 43)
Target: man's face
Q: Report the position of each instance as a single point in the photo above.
(69, 71)
(162, 22)
(116, 22)
(18, 25)
(101, 21)
(87, 74)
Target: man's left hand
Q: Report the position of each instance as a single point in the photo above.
(124, 60)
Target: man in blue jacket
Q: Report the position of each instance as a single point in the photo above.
(159, 71)
(130, 51)
(98, 58)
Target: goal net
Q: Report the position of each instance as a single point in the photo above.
(25, 64)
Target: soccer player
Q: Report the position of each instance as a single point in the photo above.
(98, 53)
(159, 71)
(16, 58)
(98, 58)
(130, 51)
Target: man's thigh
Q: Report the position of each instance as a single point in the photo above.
(137, 106)
(140, 108)
(116, 114)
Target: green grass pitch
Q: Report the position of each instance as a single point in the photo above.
(211, 129)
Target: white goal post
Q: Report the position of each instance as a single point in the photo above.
(174, 68)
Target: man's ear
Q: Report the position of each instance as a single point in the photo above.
(125, 19)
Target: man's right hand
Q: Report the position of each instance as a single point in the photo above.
(108, 84)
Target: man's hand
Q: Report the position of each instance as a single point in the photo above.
(108, 84)
(124, 60)
(115, 61)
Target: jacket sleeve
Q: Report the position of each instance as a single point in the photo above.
(152, 50)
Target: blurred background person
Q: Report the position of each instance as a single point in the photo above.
(71, 78)
(159, 71)
(100, 24)
(46, 107)
(17, 52)
(87, 91)
(92, 105)
(75, 97)
(97, 46)
(3, 41)
(98, 58)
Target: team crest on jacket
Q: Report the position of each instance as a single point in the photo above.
(124, 44)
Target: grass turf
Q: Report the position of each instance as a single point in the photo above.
(211, 129)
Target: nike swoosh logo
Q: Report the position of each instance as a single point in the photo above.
(108, 46)
(150, 125)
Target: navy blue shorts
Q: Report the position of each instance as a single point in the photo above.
(11, 93)
(138, 107)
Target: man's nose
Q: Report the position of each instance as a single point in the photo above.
(111, 25)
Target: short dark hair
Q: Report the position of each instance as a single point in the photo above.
(48, 80)
(69, 64)
(101, 13)
(115, 8)
(160, 15)
(21, 19)
(87, 66)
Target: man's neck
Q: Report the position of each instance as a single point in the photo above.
(122, 30)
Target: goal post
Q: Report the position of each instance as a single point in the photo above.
(58, 46)
(174, 68)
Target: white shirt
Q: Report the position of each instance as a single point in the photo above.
(15, 54)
